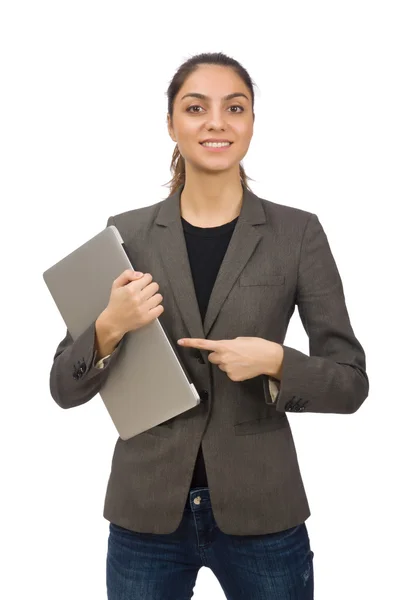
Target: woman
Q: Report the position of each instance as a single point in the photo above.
(230, 267)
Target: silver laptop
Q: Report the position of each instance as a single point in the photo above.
(147, 383)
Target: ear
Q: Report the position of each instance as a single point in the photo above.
(170, 128)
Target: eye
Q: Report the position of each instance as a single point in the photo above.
(198, 106)
(193, 106)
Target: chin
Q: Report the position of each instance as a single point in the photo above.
(215, 165)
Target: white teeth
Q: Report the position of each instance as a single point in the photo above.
(216, 144)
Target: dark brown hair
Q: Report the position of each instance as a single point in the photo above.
(177, 166)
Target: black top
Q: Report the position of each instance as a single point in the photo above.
(206, 247)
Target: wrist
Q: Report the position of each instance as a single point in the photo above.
(106, 335)
(276, 363)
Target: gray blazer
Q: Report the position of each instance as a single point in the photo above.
(278, 257)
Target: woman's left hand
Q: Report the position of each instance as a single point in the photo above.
(242, 357)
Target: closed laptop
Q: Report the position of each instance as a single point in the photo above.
(147, 384)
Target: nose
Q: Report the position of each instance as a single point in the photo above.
(216, 119)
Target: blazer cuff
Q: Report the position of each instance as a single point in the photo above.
(318, 384)
(105, 360)
(271, 387)
(101, 363)
(274, 387)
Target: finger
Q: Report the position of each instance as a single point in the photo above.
(214, 358)
(127, 276)
(202, 344)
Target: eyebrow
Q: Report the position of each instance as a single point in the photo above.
(204, 97)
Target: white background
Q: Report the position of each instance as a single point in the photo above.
(83, 136)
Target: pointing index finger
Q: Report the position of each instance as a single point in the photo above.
(198, 343)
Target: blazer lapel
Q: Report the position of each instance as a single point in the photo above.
(172, 252)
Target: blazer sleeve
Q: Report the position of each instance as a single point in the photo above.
(75, 375)
(333, 378)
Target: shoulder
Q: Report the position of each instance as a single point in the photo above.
(296, 226)
(142, 214)
(276, 211)
(287, 220)
(136, 220)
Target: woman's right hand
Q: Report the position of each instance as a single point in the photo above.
(133, 303)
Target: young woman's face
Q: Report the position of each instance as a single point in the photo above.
(213, 117)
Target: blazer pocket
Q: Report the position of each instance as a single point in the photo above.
(261, 425)
(261, 279)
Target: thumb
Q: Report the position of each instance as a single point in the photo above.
(125, 277)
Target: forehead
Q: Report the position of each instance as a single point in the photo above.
(214, 81)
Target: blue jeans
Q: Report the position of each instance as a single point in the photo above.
(148, 566)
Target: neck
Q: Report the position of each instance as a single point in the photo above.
(208, 200)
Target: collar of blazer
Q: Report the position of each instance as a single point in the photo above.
(171, 247)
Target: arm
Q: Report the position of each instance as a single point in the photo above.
(105, 343)
(76, 374)
(333, 378)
